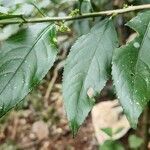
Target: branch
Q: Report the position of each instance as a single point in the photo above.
(69, 18)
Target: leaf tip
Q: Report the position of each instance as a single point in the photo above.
(74, 126)
(133, 121)
(133, 125)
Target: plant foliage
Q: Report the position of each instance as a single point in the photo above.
(131, 69)
(87, 70)
(26, 57)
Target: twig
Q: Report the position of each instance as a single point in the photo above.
(86, 15)
(52, 82)
(2, 17)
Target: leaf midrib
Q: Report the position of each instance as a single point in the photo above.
(34, 43)
(81, 91)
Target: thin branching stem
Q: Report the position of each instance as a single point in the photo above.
(5, 20)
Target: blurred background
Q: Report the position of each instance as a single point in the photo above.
(39, 122)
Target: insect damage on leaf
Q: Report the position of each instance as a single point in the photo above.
(87, 66)
(90, 92)
(131, 69)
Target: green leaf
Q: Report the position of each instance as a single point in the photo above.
(111, 145)
(81, 27)
(108, 131)
(135, 142)
(86, 6)
(25, 58)
(86, 71)
(100, 5)
(131, 69)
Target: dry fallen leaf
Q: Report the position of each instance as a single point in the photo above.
(108, 115)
